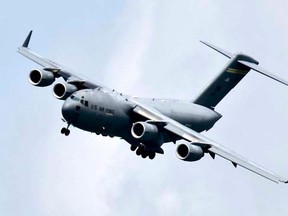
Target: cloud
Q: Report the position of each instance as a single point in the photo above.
(149, 48)
(135, 28)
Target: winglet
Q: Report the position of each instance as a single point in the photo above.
(27, 40)
(223, 52)
(285, 182)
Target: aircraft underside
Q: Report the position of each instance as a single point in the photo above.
(148, 123)
(86, 109)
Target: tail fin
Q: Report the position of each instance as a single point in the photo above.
(238, 66)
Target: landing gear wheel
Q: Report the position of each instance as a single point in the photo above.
(133, 147)
(139, 151)
(63, 130)
(152, 155)
(67, 132)
(144, 154)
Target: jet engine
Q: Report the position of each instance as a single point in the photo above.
(144, 131)
(63, 90)
(41, 78)
(189, 152)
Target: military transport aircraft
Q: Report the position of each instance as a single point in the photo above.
(148, 123)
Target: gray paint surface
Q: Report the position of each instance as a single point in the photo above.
(147, 124)
(54, 175)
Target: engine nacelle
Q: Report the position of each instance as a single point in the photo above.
(41, 78)
(144, 131)
(189, 152)
(63, 90)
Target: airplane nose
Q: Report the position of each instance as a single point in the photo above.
(70, 111)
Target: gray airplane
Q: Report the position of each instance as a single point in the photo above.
(146, 124)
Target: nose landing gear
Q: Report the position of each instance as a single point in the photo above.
(65, 131)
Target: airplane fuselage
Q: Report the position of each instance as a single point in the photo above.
(146, 124)
(107, 112)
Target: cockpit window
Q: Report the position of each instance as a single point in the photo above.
(74, 98)
(82, 101)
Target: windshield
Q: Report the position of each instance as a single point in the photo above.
(82, 101)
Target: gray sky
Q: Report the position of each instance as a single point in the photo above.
(147, 48)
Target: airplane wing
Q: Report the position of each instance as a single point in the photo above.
(57, 69)
(210, 146)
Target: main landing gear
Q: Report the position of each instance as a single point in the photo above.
(65, 131)
(142, 151)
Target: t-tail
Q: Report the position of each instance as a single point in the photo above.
(238, 66)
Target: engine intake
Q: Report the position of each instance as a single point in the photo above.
(41, 78)
(144, 131)
(63, 90)
(189, 152)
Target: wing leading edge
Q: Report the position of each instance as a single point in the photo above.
(53, 67)
(207, 144)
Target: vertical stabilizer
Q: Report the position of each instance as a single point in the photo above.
(238, 66)
(225, 81)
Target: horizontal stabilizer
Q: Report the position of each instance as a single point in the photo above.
(238, 66)
(223, 52)
(262, 71)
(225, 81)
